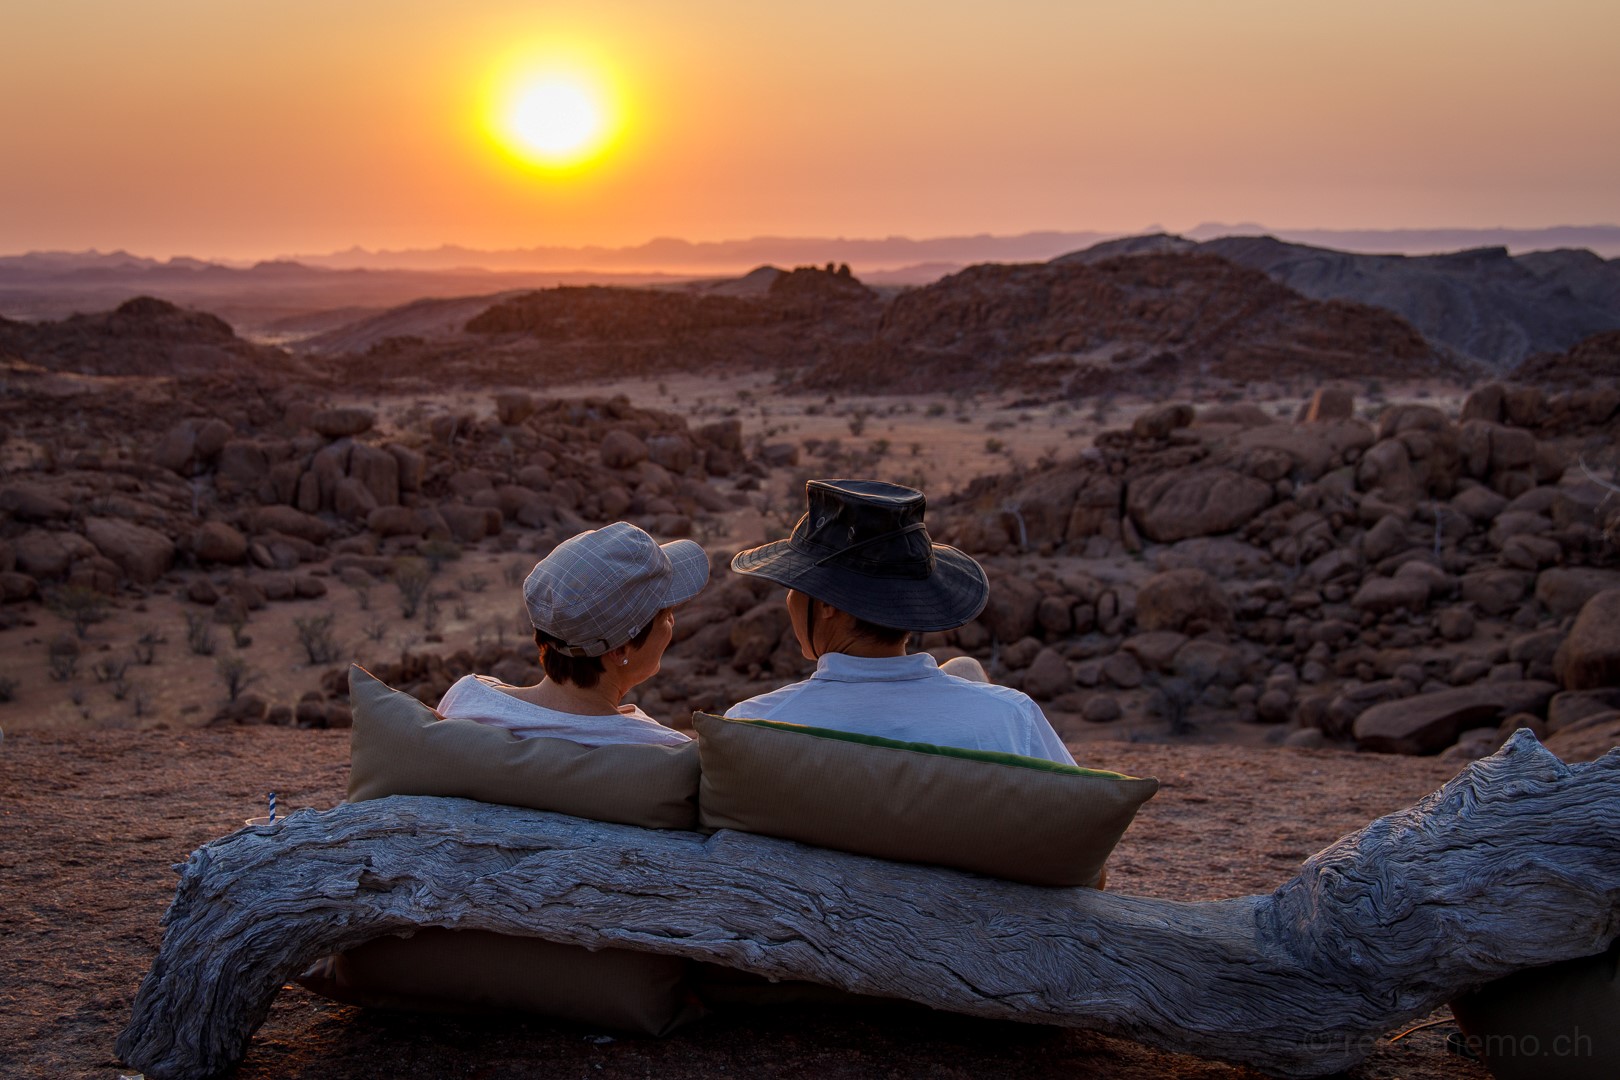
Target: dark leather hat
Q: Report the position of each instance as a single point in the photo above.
(862, 547)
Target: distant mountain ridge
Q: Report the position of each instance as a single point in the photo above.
(899, 253)
(1483, 303)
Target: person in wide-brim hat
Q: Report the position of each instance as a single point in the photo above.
(862, 547)
(863, 575)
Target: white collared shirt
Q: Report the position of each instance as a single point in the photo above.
(910, 699)
(479, 697)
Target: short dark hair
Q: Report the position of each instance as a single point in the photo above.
(883, 635)
(582, 671)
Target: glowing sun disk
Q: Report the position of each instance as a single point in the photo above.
(555, 118)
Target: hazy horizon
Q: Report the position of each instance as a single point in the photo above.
(679, 257)
(181, 127)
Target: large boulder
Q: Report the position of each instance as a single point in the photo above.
(622, 450)
(143, 554)
(1381, 595)
(1587, 739)
(187, 446)
(1565, 590)
(244, 466)
(1010, 613)
(1428, 723)
(1494, 592)
(1328, 403)
(1048, 675)
(216, 541)
(1184, 503)
(1158, 422)
(293, 522)
(1590, 655)
(28, 502)
(48, 555)
(377, 471)
(342, 423)
(1178, 599)
(1313, 449)
(514, 407)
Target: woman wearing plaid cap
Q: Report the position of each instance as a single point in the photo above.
(601, 605)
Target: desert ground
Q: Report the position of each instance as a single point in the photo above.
(95, 819)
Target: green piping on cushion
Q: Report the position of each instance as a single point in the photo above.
(994, 757)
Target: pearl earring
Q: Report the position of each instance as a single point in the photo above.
(624, 660)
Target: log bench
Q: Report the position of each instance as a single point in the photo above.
(1514, 863)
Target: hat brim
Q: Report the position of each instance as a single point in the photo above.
(690, 566)
(951, 596)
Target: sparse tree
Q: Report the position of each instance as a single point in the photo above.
(315, 635)
(411, 577)
(80, 605)
(144, 650)
(199, 634)
(237, 674)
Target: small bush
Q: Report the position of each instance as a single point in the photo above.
(199, 634)
(315, 635)
(79, 605)
(8, 688)
(438, 552)
(236, 673)
(411, 577)
(62, 665)
(144, 650)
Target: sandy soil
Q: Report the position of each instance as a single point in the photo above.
(93, 822)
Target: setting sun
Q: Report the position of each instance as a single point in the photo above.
(555, 119)
(552, 114)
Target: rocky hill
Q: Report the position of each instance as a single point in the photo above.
(1080, 326)
(771, 319)
(1484, 303)
(1593, 361)
(143, 336)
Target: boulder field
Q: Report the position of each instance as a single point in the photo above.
(1405, 580)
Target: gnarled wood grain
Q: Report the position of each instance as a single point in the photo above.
(1514, 863)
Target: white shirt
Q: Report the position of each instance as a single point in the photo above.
(910, 699)
(477, 697)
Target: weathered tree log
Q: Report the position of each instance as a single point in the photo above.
(1514, 863)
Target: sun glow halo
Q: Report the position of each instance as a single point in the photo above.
(553, 116)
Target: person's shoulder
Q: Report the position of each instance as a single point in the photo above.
(989, 692)
(758, 706)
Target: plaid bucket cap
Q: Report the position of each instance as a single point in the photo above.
(862, 547)
(597, 590)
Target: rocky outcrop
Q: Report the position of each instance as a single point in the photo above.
(1430, 722)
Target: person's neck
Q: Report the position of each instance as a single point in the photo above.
(599, 700)
(835, 632)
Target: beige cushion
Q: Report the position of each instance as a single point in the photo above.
(400, 747)
(462, 971)
(1562, 1020)
(1008, 816)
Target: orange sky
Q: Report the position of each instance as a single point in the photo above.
(220, 128)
